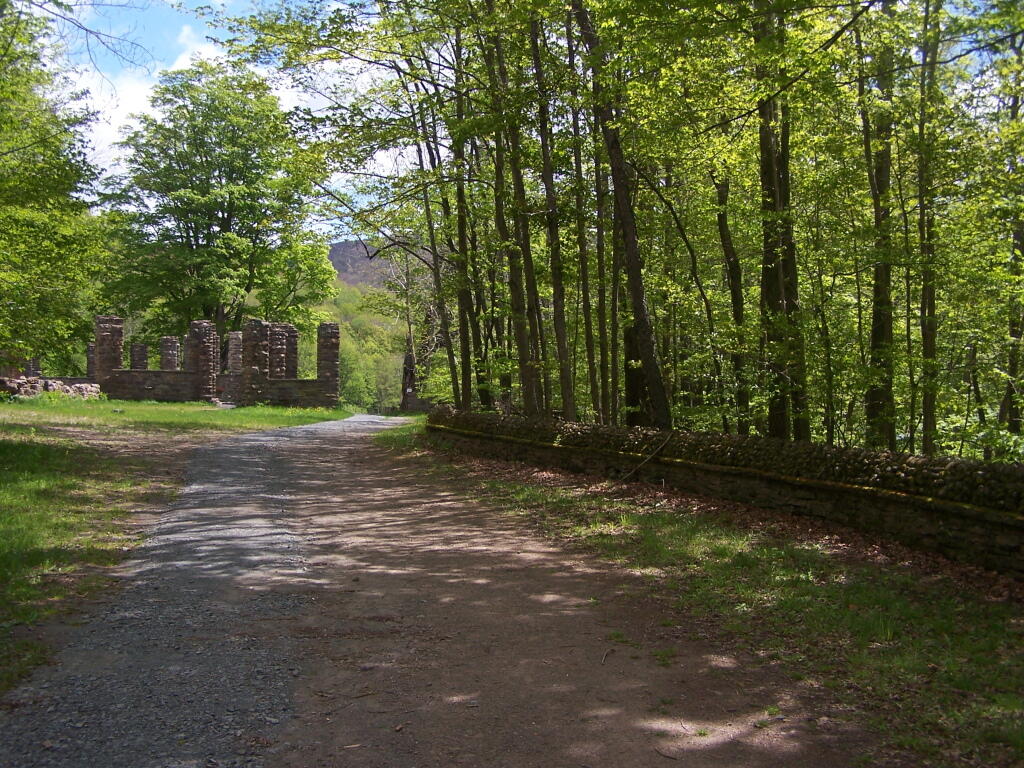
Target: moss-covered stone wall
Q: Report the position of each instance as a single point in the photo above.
(966, 510)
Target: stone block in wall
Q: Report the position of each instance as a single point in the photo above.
(138, 355)
(234, 353)
(165, 386)
(278, 349)
(203, 351)
(170, 350)
(255, 361)
(291, 352)
(109, 346)
(328, 338)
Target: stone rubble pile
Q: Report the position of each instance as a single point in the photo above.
(33, 385)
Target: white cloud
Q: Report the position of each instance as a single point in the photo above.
(115, 100)
(193, 48)
(116, 97)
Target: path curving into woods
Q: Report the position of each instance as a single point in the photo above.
(311, 601)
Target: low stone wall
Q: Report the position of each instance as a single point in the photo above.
(299, 393)
(983, 536)
(228, 386)
(165, 386)
(31, 386)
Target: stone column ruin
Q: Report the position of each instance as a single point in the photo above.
(328, 338)
(109, 346)
(170, 350)
(255, 361)
(139, 357)
(278, 349)
(291, 352)
(235, 352)
(90, 360)
(203, 353)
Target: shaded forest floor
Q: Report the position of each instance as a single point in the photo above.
(928, 653)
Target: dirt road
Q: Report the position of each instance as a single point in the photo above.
(311, 601)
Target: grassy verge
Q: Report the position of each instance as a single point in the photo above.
(151, 416)
(65, 498)
(938, 668)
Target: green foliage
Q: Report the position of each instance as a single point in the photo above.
(216, 212)
(51, 248)
(450, 86)
(370, 349)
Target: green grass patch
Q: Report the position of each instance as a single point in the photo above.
(939, 669)
(153, 416)
(406, 438)
(64, 503)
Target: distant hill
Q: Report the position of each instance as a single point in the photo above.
(352, 262)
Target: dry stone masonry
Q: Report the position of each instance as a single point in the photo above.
(170, 350)
(261, 365)
(139, 356)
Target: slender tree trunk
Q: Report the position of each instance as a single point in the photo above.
(435, 273)
(553, 236)
(582, 249)
(876, 124)
(616, 316)
(517, 296)
(734, 276)
(469, 326)
(926, 231)
(662, 412)
(1009, 409)
(780, 310)
(600, 207)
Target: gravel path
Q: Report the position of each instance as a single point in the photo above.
(312, 601)
(177, 672)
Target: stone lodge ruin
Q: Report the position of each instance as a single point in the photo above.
(261, 365)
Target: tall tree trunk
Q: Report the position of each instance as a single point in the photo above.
(662, 412)
(435, 273)
(876, 125)
(780, 308)
(600, 214)
(926, 229)
(734, 276)
(553, 237)
(517, 296)
(469, 324)
(1009, 409)
(582, 249)
(616, 316)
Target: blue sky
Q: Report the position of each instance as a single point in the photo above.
(167, 37)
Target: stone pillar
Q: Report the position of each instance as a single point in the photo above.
(278, 349)
(291, 352)
(203, 350)
(235, 352)
(90, 360)
(139, 356)
(255, 361)
(109, 346)
(327, 342)
(33, 368)
(170, 350)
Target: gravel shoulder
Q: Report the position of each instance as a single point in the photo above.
(310, 601)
